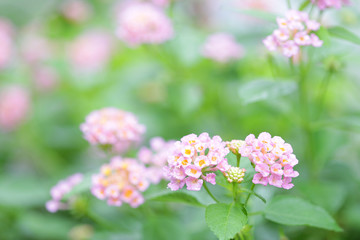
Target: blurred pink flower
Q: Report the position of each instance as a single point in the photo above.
(322, 4)
(76, 10)
(194, 159)
(141, 23)
(222, 48)
(273, 159)
(155, 158)
(45, 78)
(91, 50)
(60, 190)
(160, 3)
(14, 106)
(295, 31)
(122, 180)
(112, 127)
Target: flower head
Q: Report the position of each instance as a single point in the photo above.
(222, 48)
(60, 190)
(14, 106)
(122, 180)
(194, 159)
(323, 4)
(294, 31)
(273, 159)
(112, 127)
(91, 50)
(141, 23)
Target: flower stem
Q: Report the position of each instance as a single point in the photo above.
(289, 4)
(238, 157)
(323, 90)
(210, 194)
(234, 190)
(248, 197)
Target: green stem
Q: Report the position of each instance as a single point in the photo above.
(322, 92)
(248, 197)
(238, 157)
(289, 4)
(234, 190)
(210, 194)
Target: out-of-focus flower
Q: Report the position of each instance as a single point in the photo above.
(60, 190)
(323, 4)
(235, 174)
(35, 49)
(194, 159)
(222, 48)
(155, 158)
(141, 23)
(122, 180)
(6, 42)
(76, 10)
(91, 50)
(112, 127)
(14, 106)
(295, 31)
(273, 159)
(45, 78)
(160, 3)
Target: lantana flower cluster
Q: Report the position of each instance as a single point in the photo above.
(112, 127)
(60, 190)
(273, 159)
(323, 4)
(295, 31)
(122, 180)
(155, 158)
(195, 159)
(141, 23)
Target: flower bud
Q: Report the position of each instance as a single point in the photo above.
(235, 145)
(235, 174)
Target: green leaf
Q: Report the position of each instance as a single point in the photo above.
(260, 90)
(178, 197)
(225, 220)
(342, 33)
(289, 210)
(304, 5)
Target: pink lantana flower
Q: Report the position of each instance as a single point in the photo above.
(155, 158)
(295, 31)
(112, 127)
(60, 190)
(143, 23)
(194, 159)
(273, 159)
(323, 4)
(122, 180)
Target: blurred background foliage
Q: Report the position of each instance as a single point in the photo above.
(174, 91)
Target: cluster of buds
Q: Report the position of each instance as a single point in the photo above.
(122, 180)
(273, 159)
(59, 190)
(295, 31)
(322, 4)
(194, 159)
(235, 174)
(112, 127)
(235, 145)
(141, 23)
(155, 158)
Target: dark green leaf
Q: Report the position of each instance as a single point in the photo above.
(225, 220)
(178, 197)
(289, 210)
